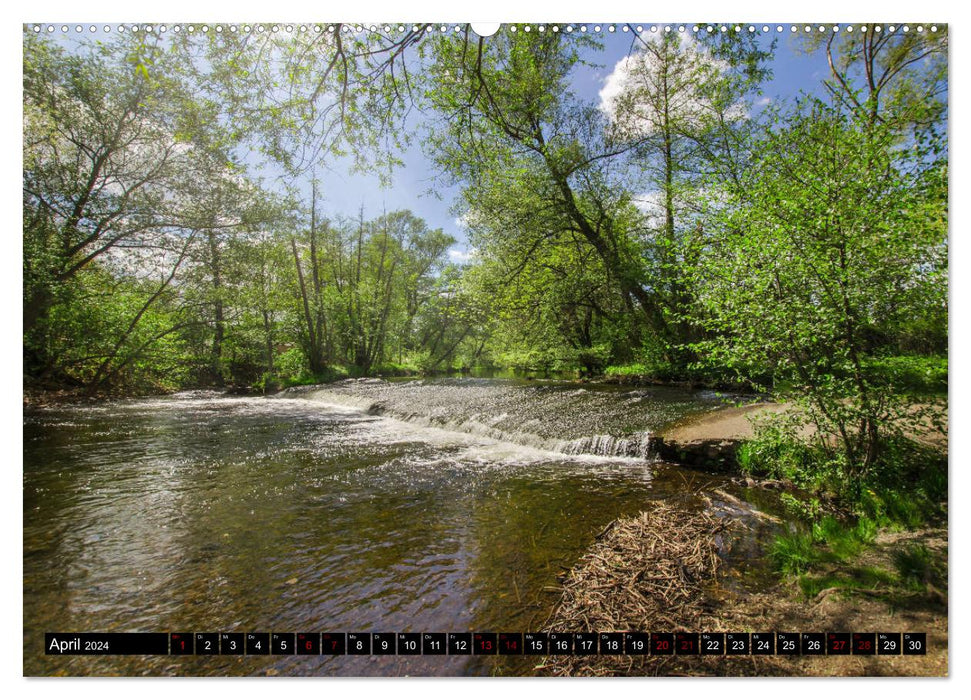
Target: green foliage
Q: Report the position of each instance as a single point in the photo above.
(908, 489)
(900, 79)
(907, 486)
(805, 509)
(867, 577)
(89, 331)
(668, 235)
(915, 566)
(909, 373)
(777, 452)
(634, 369)
(826, 540)
(291, 365)
(844, 541)
(833, 240)
(793, 553)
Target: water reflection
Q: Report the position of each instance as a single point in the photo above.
(206, 513)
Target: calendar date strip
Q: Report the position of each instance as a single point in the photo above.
(485, 643)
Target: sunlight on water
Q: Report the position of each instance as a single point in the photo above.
(362, 506)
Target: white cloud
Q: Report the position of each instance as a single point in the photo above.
(638, 78)
(651, 204)
(614, 86)
(459, 256)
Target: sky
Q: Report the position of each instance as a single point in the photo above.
(792, 73)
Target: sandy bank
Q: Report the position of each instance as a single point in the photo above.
(735, 423)
(731, 423)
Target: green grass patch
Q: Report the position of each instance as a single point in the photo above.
(907, 488)
(658, 370)
(862, 578)
(825, 540)
(793, 553)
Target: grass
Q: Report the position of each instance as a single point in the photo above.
(641, 370)
(826, 540)
(776, 453)
(793, 553)
(821, 559)
(907, 490)
(916, 569)
(860, 578)
(915, 566)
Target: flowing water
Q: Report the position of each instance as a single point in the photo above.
(370, 506)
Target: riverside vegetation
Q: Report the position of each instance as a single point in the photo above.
(799, 249)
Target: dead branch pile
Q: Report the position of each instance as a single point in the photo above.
(645, 574)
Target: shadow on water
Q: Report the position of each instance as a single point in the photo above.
(314, 512)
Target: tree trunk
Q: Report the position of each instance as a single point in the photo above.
(219, 326)
(313, 349)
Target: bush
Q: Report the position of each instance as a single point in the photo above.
(912, 373)
(777, 452)
(809, 509)
(906, 487)
(291, 364)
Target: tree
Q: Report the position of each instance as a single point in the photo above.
(835, 236)
(126, 171)
(99, 158)
(529, 152)
(893, 77)
(305, 94)
(663, 101)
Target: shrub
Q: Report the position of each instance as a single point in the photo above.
(776, 451)
(912, 373)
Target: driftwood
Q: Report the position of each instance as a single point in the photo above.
(643, 574)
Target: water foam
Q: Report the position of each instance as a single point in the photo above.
(491, 427)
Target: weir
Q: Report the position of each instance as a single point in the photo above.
(559, 417)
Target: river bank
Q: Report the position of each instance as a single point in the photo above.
(711, 440)
(896, 582)
(659, 571)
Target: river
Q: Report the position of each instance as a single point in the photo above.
(428, 506)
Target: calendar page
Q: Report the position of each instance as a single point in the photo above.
(555, 348)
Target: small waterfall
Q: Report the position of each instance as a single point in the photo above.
(530, 417)
(609, 446)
